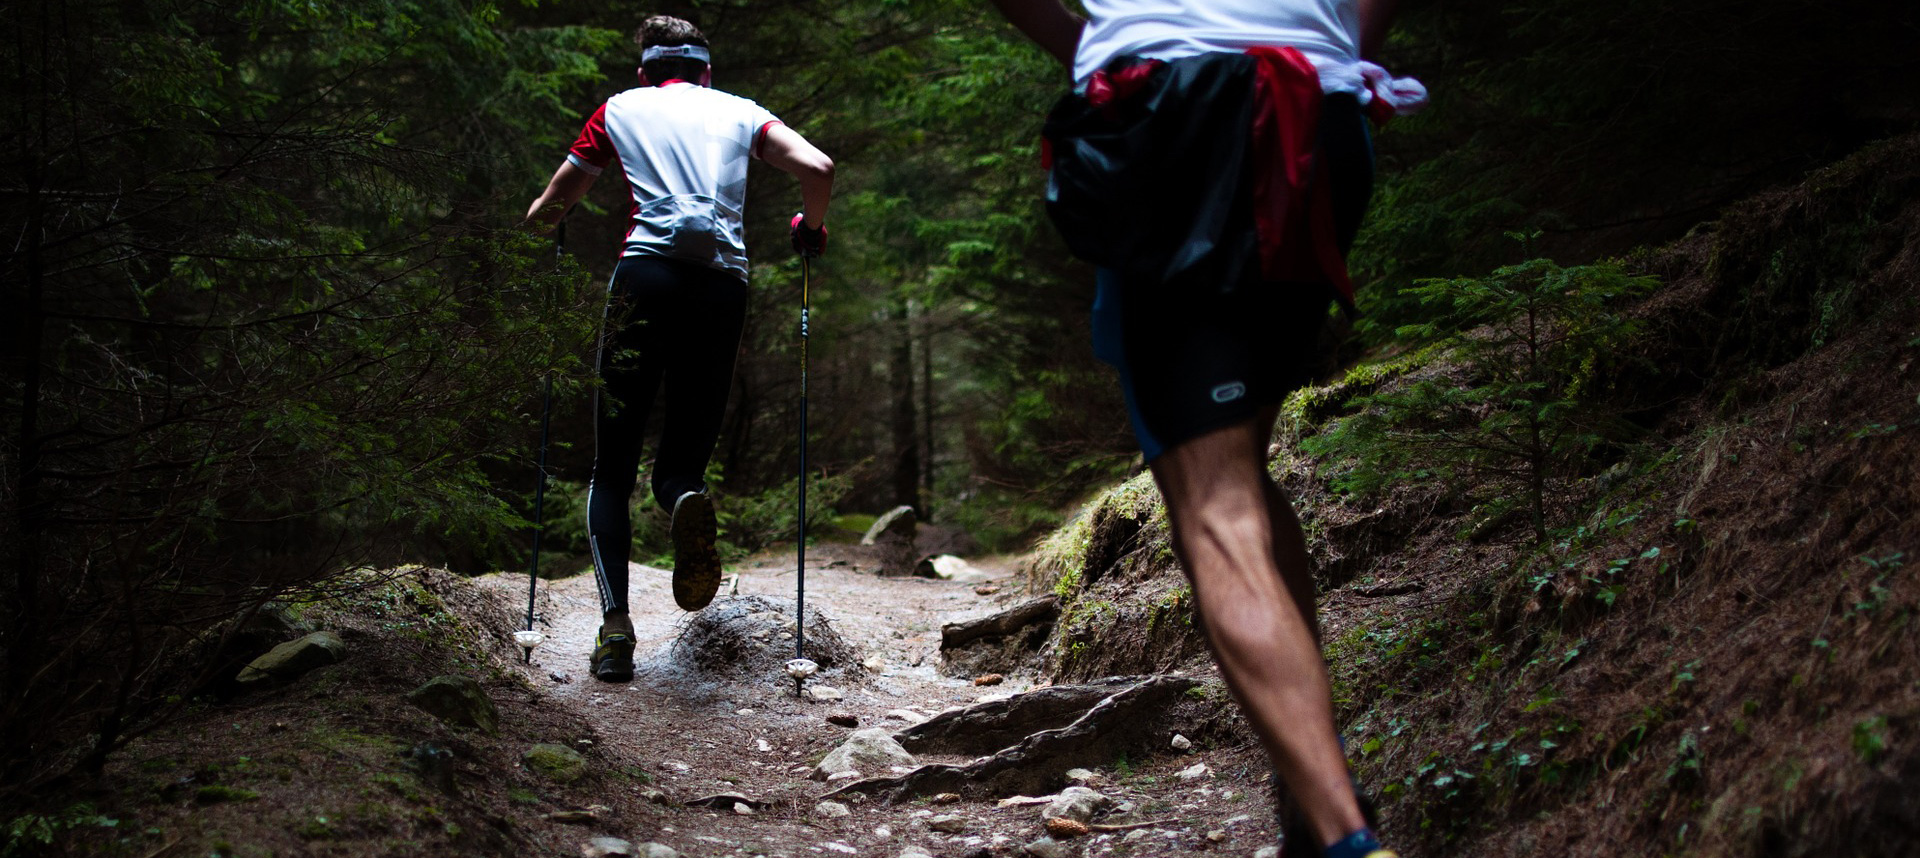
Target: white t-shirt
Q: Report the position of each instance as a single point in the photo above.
(1327, 32)
(684, 149)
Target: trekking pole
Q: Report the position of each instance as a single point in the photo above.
(800, 587)
(528, 639)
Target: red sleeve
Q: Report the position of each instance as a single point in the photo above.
(593, 151)
(760, 137)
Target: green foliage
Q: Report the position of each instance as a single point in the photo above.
(1534, 347)
(269, 324)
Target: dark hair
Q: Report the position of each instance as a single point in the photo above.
(666, 31)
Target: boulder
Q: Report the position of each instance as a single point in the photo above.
(459, 701)
(557, 763)
(294, 658)
(872, 749)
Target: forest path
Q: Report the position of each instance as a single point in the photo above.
(697, 734)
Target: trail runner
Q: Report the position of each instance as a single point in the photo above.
(677, 301)
(1213, 161)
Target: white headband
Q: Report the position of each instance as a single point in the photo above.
(663, 52)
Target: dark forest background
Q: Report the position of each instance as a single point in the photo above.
(268, 314)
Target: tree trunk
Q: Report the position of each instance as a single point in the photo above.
(906, 440)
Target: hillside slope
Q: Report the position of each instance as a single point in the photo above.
(1711, 654)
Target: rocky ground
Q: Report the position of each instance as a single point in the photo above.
(407, 725)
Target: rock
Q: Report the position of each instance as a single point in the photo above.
(907, 715)
(294, 658)
(948, 568)
(434, 764)
(883, 832)
(655, 795)
(948, 823)
(656, 850)
(1267, 852)
(1181, 743)
(607, 847)
(459, 701)
(848, 775)
(1047, 847)
(1082, 777)
(742, 808)
(947, 798)
(986, 590)
(915, 852)
(1061, 828)
(1194, 772)
(557, 763)
(830, 810)
(564, 678)
(824, 693)
(896, 525)
(989, 679)
(872, 749)
(1216, 836)
(1076, 803)
(843, 720)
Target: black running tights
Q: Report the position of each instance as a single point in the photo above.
(673, 323)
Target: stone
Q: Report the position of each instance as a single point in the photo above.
(1047, 847)
(1267, 852)
(1181, 743)
(291, 660)
(871, 749)
(948, 823)
(657, 850)
(459, 701)
(840, 719)
(1194, 772)
(1216, 836)
(557, 763)
(1082, 777)
(915, 852)
(1076, 803)
(607, 847)
(830, 810)
(824, 693)
(947, 798)
(907, 715)
(989, 679)
(742, 808)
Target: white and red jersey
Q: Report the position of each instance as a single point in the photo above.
(684, 149)
(1327, 32)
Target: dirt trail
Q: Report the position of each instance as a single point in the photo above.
(697, 735)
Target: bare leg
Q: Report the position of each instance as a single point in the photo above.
(1241, 545)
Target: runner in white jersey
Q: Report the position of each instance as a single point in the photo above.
(677, 302)
(1213, 162)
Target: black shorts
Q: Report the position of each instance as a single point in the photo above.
(1194, 360)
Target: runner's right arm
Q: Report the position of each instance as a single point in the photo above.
(1048, 23)
(568, 185)
(791, 153)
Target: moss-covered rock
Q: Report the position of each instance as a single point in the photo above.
(459, 701)
(557, 763)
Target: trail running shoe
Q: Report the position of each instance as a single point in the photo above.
(696, 556)
(613, 649)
